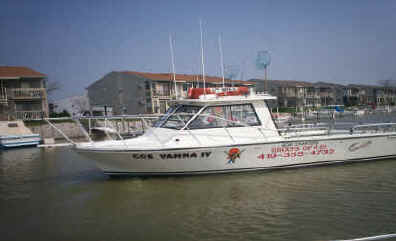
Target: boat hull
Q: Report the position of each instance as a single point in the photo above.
(19, 141)
(290, 153)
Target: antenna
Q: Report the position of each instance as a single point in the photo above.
(221, 57)
(242, 73)
(171, 42)
(263, 60)
(202, 57)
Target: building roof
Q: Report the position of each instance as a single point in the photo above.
(286, 83)
(185, 77)
(14, 72)
(296, 83)
(363, 86)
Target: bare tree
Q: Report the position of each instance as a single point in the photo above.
(80, 105)
(52, 86)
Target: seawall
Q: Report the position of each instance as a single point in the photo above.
(71, 129)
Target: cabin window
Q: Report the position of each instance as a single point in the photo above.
(226, 116)
(177, 117)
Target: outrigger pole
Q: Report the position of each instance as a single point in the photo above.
(173, 63)
(221, 57)
(202, 58)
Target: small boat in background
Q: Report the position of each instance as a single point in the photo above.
(16, 134)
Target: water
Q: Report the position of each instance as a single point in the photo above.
(54, 194)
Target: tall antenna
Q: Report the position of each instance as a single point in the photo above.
(202, 57)
(171, 43)
(221, 57)
(263, 60)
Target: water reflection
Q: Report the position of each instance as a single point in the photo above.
(54, 194)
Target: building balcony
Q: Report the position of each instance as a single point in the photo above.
(3, 95)
(26, 93)
(30, 115)
(162, 94)
(326, 94)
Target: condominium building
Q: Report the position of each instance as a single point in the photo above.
(130, 92)
(293, 93)
(22, 94)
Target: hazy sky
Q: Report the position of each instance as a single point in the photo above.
(77, 42)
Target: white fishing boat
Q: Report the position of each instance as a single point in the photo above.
(217, 133)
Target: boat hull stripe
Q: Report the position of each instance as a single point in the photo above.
(247, 169)
(232, 145)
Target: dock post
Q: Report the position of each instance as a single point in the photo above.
(89, 126)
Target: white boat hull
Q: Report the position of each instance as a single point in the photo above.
(19, 141)
(293, 152)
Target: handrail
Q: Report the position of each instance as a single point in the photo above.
(377, 127)
(305, 128)
(146, 116)
(29, 115)
(26, 92)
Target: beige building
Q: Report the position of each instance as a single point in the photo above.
(22, 94)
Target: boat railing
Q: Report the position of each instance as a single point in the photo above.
(374, 128)
(305, 130)
(90, 122)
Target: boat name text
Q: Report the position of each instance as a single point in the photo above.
(183, 155)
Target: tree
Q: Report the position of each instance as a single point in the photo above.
(80, 104)
(52, 86)
(64, 113)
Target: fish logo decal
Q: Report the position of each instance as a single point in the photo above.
(233, 154)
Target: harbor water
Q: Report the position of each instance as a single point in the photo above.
(55, 194)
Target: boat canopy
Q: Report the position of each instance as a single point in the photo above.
(214, 112)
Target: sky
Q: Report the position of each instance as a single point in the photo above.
(76, 43)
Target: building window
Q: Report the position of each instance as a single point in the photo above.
(147, 85)
(28, 106)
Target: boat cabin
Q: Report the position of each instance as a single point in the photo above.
(219, 110)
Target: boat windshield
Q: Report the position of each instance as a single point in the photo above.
(177, 116)
(238, 115)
